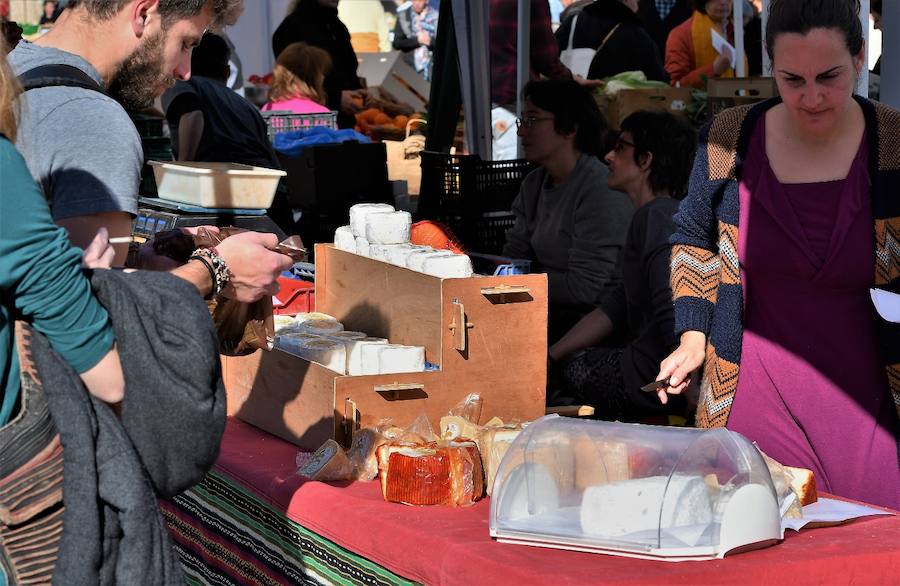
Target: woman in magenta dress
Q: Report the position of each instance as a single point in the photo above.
(775, 254)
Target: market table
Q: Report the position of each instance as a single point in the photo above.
(252, 520)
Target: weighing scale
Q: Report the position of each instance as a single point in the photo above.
(156, 214)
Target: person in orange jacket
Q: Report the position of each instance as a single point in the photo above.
(690, 55)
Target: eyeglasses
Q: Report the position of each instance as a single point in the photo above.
(621, 143)
(530, 121)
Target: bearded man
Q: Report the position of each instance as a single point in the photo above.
(82, 147)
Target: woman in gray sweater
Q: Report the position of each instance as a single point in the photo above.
(569, 223)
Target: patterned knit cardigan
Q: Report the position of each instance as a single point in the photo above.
(706, 278)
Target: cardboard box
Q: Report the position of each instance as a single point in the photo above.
(675, 100)
(723, 93)
(499, 352)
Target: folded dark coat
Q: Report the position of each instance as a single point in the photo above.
(172, 421)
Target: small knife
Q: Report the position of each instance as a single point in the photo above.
(658, 385)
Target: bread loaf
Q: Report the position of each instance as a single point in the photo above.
(803, 483)
(430, 475)
(493, 443)
(362, 453)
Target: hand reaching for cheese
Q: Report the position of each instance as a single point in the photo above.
(253, 265)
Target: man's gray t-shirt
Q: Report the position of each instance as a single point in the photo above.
(80, 145)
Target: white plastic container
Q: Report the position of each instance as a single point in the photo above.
(217, 185)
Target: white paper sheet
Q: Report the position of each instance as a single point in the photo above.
(887, 304)
(830, 511)
(722, 46)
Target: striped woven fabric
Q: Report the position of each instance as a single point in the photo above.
(227, 535)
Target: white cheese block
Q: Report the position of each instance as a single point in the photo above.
(382, 251)
(355, 354)
(282, 321)
(292, 340)
(398, 254)
(322, 327)
(393, 358)
(346, 336)
(388, 228)
(362, 246)
(369, 363)
(448, 267)
(329, 353)
(344, 239)
(416, 261)
(302, 317)
(629, 506)
(359, 212)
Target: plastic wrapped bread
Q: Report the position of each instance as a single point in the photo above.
(416, 261)
(629, 506)
(360, 211)
(395, 358)
(362, 453)
(600, 462)
(362, 246)
(493, 443)
(329, 353)
(390, 228)
(344, 239)
(448, 267)
(355, 350)
(330, 462)
(429, 475)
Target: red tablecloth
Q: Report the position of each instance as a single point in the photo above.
(436, 545)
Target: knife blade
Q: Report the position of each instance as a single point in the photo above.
(659, 385)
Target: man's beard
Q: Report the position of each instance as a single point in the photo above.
(140, 78)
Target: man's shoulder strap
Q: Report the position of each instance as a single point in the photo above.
(58, 75)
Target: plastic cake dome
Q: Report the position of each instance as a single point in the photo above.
(636, 490)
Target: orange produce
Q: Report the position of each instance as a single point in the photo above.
(370, 115)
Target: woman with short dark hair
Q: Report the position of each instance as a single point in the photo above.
(791, 218)
(651, 162)
(569, 223)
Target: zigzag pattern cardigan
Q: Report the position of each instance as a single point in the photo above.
(706, 277)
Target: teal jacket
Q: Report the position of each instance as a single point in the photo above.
(41, 281)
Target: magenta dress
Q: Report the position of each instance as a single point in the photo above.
(813, 391)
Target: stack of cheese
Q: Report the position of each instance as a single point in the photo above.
(321, 338)
(379, 232)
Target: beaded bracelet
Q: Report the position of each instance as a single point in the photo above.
(215, 264)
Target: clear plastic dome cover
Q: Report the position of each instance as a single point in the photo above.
(640, 490)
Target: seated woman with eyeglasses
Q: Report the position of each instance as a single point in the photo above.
(651, 162)
(569, 223)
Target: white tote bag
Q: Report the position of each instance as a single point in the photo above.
(577, 60)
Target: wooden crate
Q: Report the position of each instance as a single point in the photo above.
(500, 353)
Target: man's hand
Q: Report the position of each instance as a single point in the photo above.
(99, 254)
(588, 83)
(424, 38)
(254, 266)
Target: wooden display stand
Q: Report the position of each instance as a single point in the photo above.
(488, 335)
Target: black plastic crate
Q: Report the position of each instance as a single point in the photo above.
(472, 196)
(465, 184)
